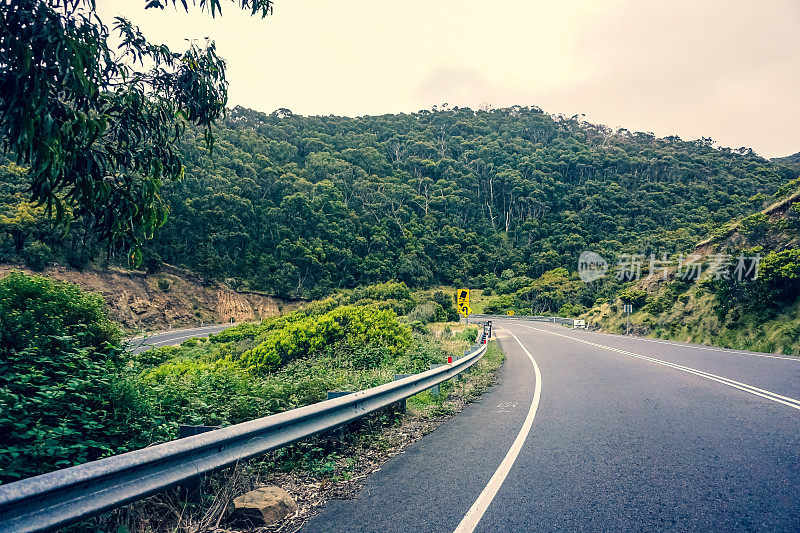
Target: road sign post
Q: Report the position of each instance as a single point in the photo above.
(628, 311)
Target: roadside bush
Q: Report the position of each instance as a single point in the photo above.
(391, 290)
(572, 310)
(153, 357)
(203, 392)
(666, 297)
(77, 259)
(501, 305)
(513, 285)
(424, 312)
(421, 353)
(358, 326)
(245, 330)
(755, 227)
(8, 252)
(470, 334)
(449, 313)
(549, 292)
(419, 327)
(777, 285)
(59, 355)
(37, 255)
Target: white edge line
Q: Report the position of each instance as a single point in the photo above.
(475, 513)
(769, 395)
(179, 330)
(155, 343)
(698, 347)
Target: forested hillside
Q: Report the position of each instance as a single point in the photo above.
(721, 307)
(300, 206)
(790, 160)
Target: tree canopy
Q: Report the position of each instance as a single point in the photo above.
(301, 206)
(96, 125)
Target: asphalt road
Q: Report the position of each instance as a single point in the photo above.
(171, 338)
(621, 434)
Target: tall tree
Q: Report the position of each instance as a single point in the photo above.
(97, 126)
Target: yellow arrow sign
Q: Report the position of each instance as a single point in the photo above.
(462, 302)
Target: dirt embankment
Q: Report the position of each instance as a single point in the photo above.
(169, 299)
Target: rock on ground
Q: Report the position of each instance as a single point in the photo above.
(264, 505)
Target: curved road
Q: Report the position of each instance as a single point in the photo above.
(171, 338)
(588, 431)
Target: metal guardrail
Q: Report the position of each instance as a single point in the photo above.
(66, 496)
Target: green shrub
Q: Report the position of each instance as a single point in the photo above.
(667, 296)
(424, 312)
(572, 310)
(550, 292)
(154, 357)
(470, 334)
(391, 290)
(37, 255)
(203, 392)
(636, 297)
(59, 354)
(779, 276)
(77, 259)
(501, 305)
(363, 357)
(777, 285)
(449, 313)
(755, 227)
(245, 330)
(358, 326)
(419, 327)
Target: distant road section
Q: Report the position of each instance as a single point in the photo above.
(172, 338)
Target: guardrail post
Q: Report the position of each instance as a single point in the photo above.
(190, 489)
(403, 401)
(337, 433)
(435, 389)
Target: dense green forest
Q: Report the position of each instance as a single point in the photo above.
(301, 206)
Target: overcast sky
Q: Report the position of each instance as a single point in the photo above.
(726, 69)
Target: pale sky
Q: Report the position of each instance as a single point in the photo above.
(726, 69)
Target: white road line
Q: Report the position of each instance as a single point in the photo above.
(785, 400)
(155, 343)
(475, 513)
(202, 328)
(696, 347)
(176, 339)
